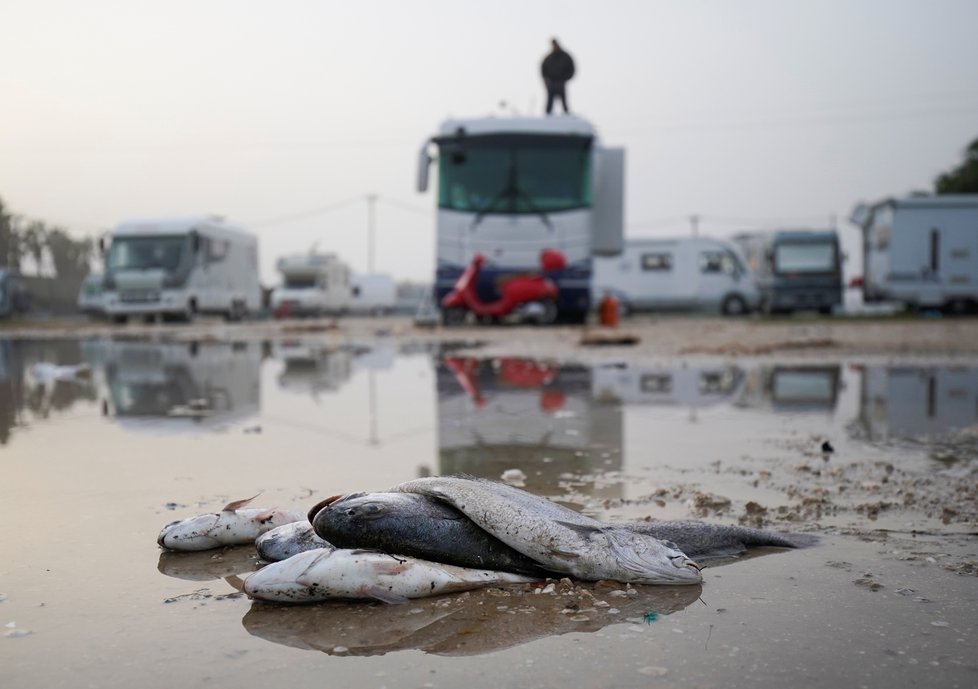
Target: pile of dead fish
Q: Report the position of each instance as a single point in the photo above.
(442, 534)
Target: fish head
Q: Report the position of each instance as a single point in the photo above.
(643, 559)
(357, 509)
(193, 533)
(293, 580)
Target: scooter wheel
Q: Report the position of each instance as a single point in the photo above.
(548, 316)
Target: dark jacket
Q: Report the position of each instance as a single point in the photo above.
(557, 66)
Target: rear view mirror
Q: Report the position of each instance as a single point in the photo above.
(195, 241)
(424, 164)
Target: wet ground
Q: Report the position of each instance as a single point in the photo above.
(153, 430)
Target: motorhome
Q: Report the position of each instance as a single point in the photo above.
(180, 267)
(921, 251)
(688, 273)
(797, 270)
(511, 187)
(374, 294)
(313, 284)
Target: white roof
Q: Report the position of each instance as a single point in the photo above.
(557, 125)
(171, 226)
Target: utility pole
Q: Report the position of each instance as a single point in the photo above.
(694, 225)
(371, 228)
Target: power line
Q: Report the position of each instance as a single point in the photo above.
(301, 215)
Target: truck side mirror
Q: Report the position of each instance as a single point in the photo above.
(424, 164)
(101, 246)
(195, 241)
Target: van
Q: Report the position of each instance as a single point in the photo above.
(688, 273)
(176, 268)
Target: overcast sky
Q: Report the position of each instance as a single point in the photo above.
(749, 113)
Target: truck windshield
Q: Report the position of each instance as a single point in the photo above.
(147, 253)
(512, 174)
(299, 281)
(806, 257)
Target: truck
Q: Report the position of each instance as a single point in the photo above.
(509, 188)
(313, 284)
(176, 268)
(921, 251)
(686, 273)
(797, 270)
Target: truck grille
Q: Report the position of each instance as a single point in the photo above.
(140, 296)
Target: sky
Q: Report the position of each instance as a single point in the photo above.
(284, 117)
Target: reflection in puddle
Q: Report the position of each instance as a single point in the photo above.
(464, 624)
(492, 414)
(918, 402)
(206, 565)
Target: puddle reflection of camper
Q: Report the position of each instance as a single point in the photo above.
(312, 369)
(177, 385)
(789, 388)
(509, 413)
(918, 402)
(682, 386)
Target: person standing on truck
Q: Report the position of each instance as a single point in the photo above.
(557, 69)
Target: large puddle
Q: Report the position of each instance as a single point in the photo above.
(94, 465)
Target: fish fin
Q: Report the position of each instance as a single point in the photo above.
(238, 504)
(583, 529)
(383, 595)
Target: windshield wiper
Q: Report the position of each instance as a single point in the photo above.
(512, 191)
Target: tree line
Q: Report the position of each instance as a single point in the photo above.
(22, 238)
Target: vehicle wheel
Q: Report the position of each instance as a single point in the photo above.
(120, 320)
(235, 312)
(734, 305)
(548, 316)
(825, 310)
(453, 315)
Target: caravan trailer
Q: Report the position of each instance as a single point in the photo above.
(921, 251)
(688, 273)
(180, 267)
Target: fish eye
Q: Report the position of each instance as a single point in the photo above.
(670, 544)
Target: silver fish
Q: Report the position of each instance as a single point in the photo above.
(235, 524)
(287, 540)
(558, 538)
(318, 575)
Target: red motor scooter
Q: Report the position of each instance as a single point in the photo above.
(528, 296)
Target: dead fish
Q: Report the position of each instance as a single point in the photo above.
(326, 574)
(703, 541)
(287, 540)
(558, 538)
(418, 526)
(233, 525)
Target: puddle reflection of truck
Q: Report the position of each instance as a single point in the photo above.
(683, 386)
(177, 385)
(793, 388)
(918, 402)
(510, 413)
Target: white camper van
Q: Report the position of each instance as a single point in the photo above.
(921, 251)
(179, 267)
(312, 284)
(688, 273)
